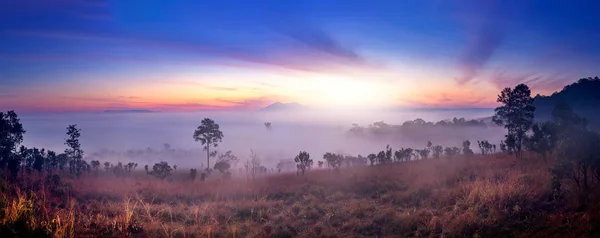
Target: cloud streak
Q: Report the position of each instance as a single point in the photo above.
(486, 35)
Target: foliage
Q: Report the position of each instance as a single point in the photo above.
(451, 151)
(516, 114)
(486, 147)
(11, 136)
(209, 135)
(437, 151)
(372, 158)
(403, 154)
(193, 174)
(543, 138)
(74, 152)
(333, 160)
(161, 170)
(466, 148)
(303, 162)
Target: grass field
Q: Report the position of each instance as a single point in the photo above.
(481, 196)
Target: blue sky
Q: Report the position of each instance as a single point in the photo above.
(193, 55)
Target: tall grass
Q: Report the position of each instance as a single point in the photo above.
(491, 196)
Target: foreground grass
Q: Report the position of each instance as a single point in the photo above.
(461, 197)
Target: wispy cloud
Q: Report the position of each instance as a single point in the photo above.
(487, 30)
(543, 83)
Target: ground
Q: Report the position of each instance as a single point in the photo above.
(481, 196)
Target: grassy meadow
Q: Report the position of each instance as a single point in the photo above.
(479, 196)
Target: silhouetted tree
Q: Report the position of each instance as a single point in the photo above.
(268, 126)
(303, 161)
(451, 151)
(161, 170)
(516, 114)
(11, 136)
(74, 152)
(372, 158)
(543, 138)
(193, 174)
(320, 164)
(467, 148)
(333, 160)
(95, 165)
(503, 146)
(485, 147)
(209, 135)
(437, 151)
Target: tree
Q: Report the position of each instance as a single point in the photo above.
(95, 165)
(229, 157)
(193, 174)
(543, 138)
(516, 114)
(161, 170)
(467, 148)
(372, 158)
(252, 165)
(485, 147)
(74, 152)
(268, 126)
(223, 168)
(451, 151)
(209, 135)
(437, 151)
(303, 161)
(333, 160)
(11, 136)
(107, 166)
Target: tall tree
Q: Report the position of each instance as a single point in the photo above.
(303, 161)
(209, 135)
(11, 135)
(74, 152)
(516, 114)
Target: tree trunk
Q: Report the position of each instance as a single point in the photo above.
(207, 157)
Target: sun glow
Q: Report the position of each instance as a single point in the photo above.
(349, 93)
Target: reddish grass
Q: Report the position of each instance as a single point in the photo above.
(492, 196)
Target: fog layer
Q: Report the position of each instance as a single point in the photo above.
(114, 134)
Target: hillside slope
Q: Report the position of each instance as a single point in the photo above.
(583, 96)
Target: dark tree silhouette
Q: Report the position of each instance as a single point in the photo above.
(193, 174)
(467, 148)
(303, 161)
(95, 165)
(543, 138)
(74, 152)
(11, 136)
(161, 170)
(209, 135)
(516, 114)
(372, 158)
(437, 151)
(333, 160)
(268, 126)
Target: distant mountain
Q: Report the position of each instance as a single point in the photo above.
(278, 106)
(583, 96)
(128, 111)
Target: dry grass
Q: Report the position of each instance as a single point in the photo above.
(461, 197)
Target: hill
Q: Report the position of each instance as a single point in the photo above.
(128, 111)
(278, 106)
(583, 96)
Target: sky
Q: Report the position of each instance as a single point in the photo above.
(93, 55)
